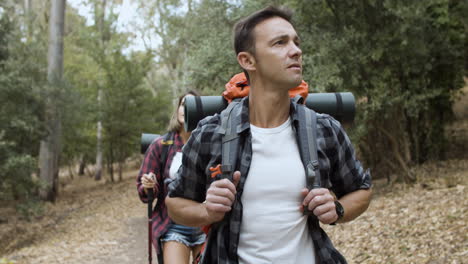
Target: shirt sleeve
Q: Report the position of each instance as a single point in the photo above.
(150, 164)
(347, 173)
(201, 150)
(190, 182)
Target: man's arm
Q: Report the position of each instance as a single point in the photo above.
(187, 212)
(349, 182)
(322, 202)
(219, 199)
(354, 204)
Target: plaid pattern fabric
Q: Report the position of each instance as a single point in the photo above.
(151, 163)
(339, 168)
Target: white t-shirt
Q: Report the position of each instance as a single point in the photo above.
(273, 228)
(175, 165)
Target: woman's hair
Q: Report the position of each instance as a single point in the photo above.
(174, 125)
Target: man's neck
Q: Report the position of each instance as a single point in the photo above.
(268, 108)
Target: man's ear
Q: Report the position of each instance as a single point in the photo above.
(246, 61)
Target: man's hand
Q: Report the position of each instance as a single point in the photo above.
(220, 197)
(322, 203)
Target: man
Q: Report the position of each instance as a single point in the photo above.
(256, 217)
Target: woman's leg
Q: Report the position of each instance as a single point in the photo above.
(196, 250)
(175, 252)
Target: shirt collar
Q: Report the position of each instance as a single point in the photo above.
(242, 115)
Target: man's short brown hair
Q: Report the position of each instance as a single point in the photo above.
(244, 39)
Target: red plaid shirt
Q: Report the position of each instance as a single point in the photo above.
(151, 163)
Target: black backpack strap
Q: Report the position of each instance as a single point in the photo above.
(230, 141)
(229, 155)
(298, 99)
(167, 142)
(307, 134)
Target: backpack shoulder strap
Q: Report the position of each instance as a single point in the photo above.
(307, 139)
(230, 141)
(229, 152)
(167, 142)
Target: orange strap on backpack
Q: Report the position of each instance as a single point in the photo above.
(238, 87)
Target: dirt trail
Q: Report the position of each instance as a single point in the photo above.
(404, 224)
(91, 223)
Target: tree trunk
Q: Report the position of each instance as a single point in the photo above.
(70, 171)
(120, 170)
(110, 162)
(98, 173)
(50, 145)
(407, 174)
(99, 18)
(81, 168)
(29, 14)
(27, 5)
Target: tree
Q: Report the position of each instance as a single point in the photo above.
(403, 58)
(79, 111)
(50, 145)
(21, 73)
(126, 106)
(96, 57)
(99, 19)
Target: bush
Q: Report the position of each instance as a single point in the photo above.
(20, 108)
(404, 60)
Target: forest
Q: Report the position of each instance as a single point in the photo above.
(77, 89)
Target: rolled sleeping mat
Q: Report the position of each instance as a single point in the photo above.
(146, 140)
(341, 106)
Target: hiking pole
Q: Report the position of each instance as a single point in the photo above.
(150, 223)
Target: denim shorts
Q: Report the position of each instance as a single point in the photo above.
(189, 236)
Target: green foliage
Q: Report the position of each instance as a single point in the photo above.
(96, 59)
(82, 73)
(93, 60)
(405, 59)
(211, 58)
(30, 209)
(127, 105)
(15, 171)
(20, 107)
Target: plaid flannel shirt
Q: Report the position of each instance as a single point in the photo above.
(340, 171)
(151, 163)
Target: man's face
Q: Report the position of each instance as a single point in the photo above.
(277, 54)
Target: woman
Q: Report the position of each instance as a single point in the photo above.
(178, 240)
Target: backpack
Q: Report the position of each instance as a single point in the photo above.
(239, 87)
(307, 149)
(307, 146)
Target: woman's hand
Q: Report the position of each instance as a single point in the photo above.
(148, 181)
